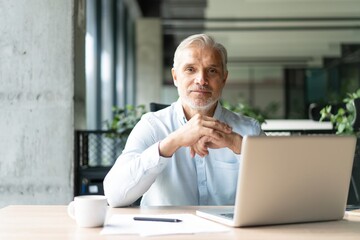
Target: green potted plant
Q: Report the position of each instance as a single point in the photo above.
(247, 110)
(124, 120)
(345, 120)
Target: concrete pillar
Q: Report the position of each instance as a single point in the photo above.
(37, 75)
(149, 62)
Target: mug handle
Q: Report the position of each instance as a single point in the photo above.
(71, 210)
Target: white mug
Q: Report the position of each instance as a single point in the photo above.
(89, 210)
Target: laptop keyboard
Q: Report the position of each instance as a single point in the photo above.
(228, 215)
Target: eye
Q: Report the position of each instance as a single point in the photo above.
(190, 69)
(212, 70)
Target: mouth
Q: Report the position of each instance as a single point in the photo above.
(200, 91)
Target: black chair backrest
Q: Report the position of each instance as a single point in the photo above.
(157, 106)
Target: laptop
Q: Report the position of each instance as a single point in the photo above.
(289, 179)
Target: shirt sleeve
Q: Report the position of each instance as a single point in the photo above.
(136, 168)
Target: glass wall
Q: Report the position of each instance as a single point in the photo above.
(110, 59)
(324, 85)
(286, 53)
(278, 55)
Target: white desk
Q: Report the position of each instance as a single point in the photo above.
(287, 127)
(295, 125)
(52, 222)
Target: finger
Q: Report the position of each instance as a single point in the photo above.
(200, 148)
(213, 122)
(210, 134)
(195, 150)
(203, 148)
(192, 152)
(217, 125)
(202, 152)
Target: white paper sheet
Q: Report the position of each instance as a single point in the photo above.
(191, 224)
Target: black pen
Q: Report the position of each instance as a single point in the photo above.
(153, 219)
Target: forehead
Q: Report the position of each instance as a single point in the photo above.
(200, 55)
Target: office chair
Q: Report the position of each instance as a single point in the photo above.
(157, 106)
(315, 108)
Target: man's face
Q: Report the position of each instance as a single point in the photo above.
(199, 77)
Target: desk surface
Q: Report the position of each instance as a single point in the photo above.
(52, 222)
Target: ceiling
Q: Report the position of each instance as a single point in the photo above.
(270, 32)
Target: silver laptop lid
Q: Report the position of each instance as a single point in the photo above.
(293, 179)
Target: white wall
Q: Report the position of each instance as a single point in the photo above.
(37, 72)
(149, 62)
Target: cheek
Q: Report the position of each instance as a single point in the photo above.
(216, 84)
(185, 82)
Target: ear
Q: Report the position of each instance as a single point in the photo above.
(225, 77)
(173, 73)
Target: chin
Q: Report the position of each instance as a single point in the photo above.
(202, 106)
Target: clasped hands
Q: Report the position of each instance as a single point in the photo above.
(201, 133)
(215, 134)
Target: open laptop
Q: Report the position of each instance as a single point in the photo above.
(289, 179)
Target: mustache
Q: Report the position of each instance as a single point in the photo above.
(200, 88)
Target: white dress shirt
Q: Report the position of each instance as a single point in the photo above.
(180, 179)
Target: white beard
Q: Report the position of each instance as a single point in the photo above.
(199, 107)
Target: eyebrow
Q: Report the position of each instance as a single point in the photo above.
(212, 65)
(215, 66)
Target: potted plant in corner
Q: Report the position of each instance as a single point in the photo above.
(247, 110)
(347, 121)
(123, 121)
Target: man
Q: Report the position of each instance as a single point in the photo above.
(189, 152)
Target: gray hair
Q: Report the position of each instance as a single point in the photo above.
(202, 40)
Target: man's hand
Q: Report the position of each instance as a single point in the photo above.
(231, 141)
(197, 127)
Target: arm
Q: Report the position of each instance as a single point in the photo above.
(136, 168)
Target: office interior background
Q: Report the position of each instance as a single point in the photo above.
(65, 64)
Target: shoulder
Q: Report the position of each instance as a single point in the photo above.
(153, 126)
(246, 124)
(230, 115)
(160, 115)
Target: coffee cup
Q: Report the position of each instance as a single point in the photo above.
(89, 210)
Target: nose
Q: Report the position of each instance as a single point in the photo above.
(200, 78)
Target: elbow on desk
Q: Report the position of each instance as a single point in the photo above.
(119, 191)
(113, 194)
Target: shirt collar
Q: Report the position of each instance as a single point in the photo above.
(181, 115)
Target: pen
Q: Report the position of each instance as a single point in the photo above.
(153, 219)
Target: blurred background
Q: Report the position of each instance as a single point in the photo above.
(282, 53)
(65, 65)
